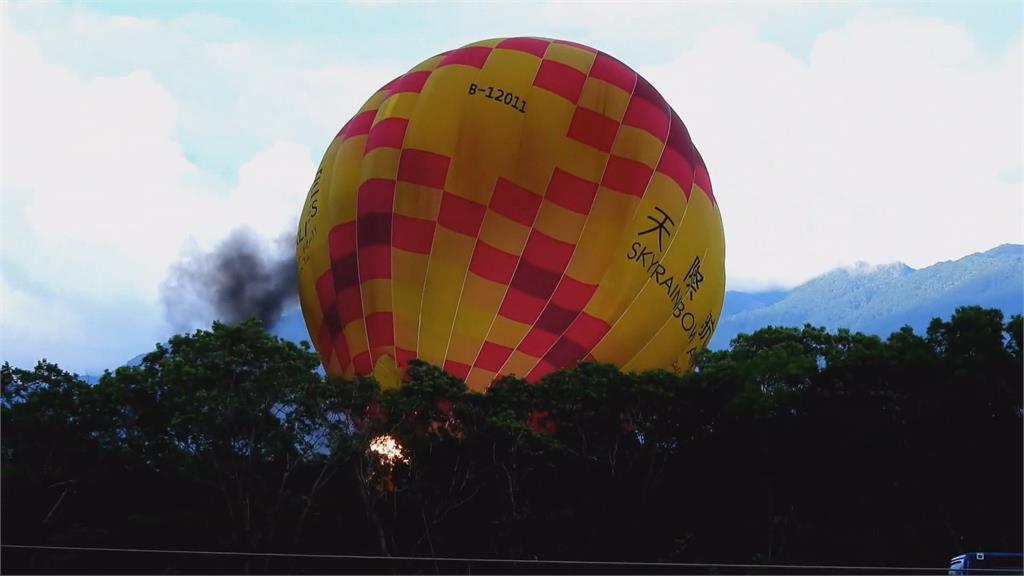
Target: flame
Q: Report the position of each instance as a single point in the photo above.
(388, 450)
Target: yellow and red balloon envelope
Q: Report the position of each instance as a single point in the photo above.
(511, 207)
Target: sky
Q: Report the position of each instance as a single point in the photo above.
(133, 135)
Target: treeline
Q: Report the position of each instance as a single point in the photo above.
(796, 446)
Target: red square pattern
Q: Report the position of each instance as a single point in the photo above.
(575, 45)
(374, 262)
(423, 168)
(362, 363)
(403, 356)
(678, 168)
(520, 306)
(493, 264)
(374, 229)
(593, 129)
(375, 196)
(535, 281)
(546, 252)
(456, 369)
(388, 133)
(341, 240)
(613, 72)
(571, 192)
(587, 331)
(560, 79)
(572, 294)
(412, 234)
(645, 115)
(555, 319)
(474, 56)
(350, 305)
(492, 356)
(565, 353)
(460, 215)
(626, 176)
(325, 293)
(515, 202)
(537, 342)
(380, 330)
(534, 46)
(341, 351)
(358, 125)
(411, 82)
(539, 371)
(345, 271)
(702, 179)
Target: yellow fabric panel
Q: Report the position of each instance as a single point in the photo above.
(507, 332)
(428, 64)
(435, 126)
(417, 201)
(559, 223)
(479, 379)
(482, 293)
(581, 160)
(343, 180)
(408, 271)
(543, 139)
(376, 295)
(400, 105)
(408, 267)
(373, 102)
(519, 364)
(604, 98)
(440, 310)
(669, 347)
(333, 367)
(464, 347)
(355, 335)
(482, 155)
(626, 276)
(480, 301)
(602, 235)
(570, 56)
(636, 144)
(504, 234)
(380, 163)
(488, 43)
(441, 292)
(311, 255)
(342, 210)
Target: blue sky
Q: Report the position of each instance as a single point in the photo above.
(134, 133)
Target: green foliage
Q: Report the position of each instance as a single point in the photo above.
(797, 445)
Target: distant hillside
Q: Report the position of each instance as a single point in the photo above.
(871, 299)
(881, 299)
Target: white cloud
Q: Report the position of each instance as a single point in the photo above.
(99, 199)
(891, 143)
(125, 141)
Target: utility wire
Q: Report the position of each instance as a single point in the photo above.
(822, 567)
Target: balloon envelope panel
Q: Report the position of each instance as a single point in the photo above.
(511, 207)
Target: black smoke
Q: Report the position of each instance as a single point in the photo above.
(244, 276)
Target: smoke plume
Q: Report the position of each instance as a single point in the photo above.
(243, 276)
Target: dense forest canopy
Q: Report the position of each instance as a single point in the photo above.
(795, 446)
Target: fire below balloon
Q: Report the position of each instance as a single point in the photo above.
(388, 450)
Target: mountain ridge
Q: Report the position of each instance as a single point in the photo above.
(882, 299)
(874, 299)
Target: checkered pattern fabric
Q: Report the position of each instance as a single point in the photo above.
(485, 212)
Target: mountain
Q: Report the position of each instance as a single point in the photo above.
(871, 299)
(881, 299)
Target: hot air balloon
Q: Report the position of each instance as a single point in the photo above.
(511, 207)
